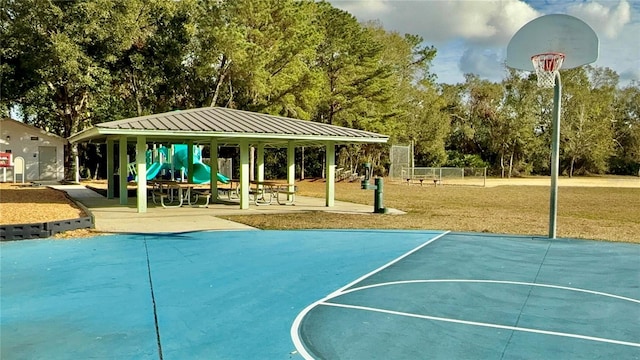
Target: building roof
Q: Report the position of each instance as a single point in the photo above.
(31, 129)
(227, 126)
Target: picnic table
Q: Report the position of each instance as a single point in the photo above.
(172, 194)
(230, 188)
(266, 191)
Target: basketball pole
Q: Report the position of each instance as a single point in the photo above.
(555, 161)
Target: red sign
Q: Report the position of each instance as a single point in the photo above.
(5, 159)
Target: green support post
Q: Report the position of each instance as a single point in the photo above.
(378, 202)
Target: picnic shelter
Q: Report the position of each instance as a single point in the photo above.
(218, 126)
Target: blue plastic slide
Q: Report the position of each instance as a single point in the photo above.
(153, 170)
(202, 174)
(201, 171)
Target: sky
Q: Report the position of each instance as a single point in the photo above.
(471, 36)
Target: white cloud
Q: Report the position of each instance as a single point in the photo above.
(622, 54)
(604, 20)
(488, 22)
(484, 62)
(365, 9)
(629, 75)
(472, 35)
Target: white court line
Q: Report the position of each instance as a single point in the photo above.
(295, 336)
(490, 282)
(333, 294)
(489, 325)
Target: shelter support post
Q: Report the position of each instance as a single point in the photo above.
(76, 160)
(555, 158)
(141, 169)
(260, 162)
(291, 169)
(172, 156)
(189, 161)
(213, 163)
(110, 168)
(331, 174)
(244, 175)
(124, 170)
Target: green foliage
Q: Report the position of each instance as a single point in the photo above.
(66, 65)
(587, 118)
(457, 159)
(257, 55)
(626, 107)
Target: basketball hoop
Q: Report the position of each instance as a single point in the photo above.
(547, 66)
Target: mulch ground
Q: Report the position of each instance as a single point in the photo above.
(26, 204)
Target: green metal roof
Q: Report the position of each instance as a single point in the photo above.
(227, 126)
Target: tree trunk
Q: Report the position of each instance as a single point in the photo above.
(136, 93)
(95, 174)
(72, 114)
(74, 168)
(222, 73)
(511, 164)
(502, 165)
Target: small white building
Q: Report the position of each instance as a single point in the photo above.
(42, 151)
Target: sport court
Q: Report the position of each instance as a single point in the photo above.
(329, 294)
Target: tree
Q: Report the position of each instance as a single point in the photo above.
(626, 159)
(257, 55)
(49, 45)
(60, 55)
(587, 118)
(516, 135)
(152, 74)
(413, 111)
(354, 79)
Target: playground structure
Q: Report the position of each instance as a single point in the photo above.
(17, 165)
(173, 164)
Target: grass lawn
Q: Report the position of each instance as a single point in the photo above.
(605, 208)
(605, 213)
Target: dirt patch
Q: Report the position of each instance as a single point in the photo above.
(584, 181)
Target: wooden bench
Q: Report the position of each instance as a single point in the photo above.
(199, 194)
(165, 191)
(421, 178)
(229, 191)
(289, 190)
(156, 194)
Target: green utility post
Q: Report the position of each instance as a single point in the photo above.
(378, 203)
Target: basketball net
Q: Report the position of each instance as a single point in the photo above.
(547, 66)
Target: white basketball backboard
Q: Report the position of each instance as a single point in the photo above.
(556, 33)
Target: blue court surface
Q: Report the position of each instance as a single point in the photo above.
(327, 294)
